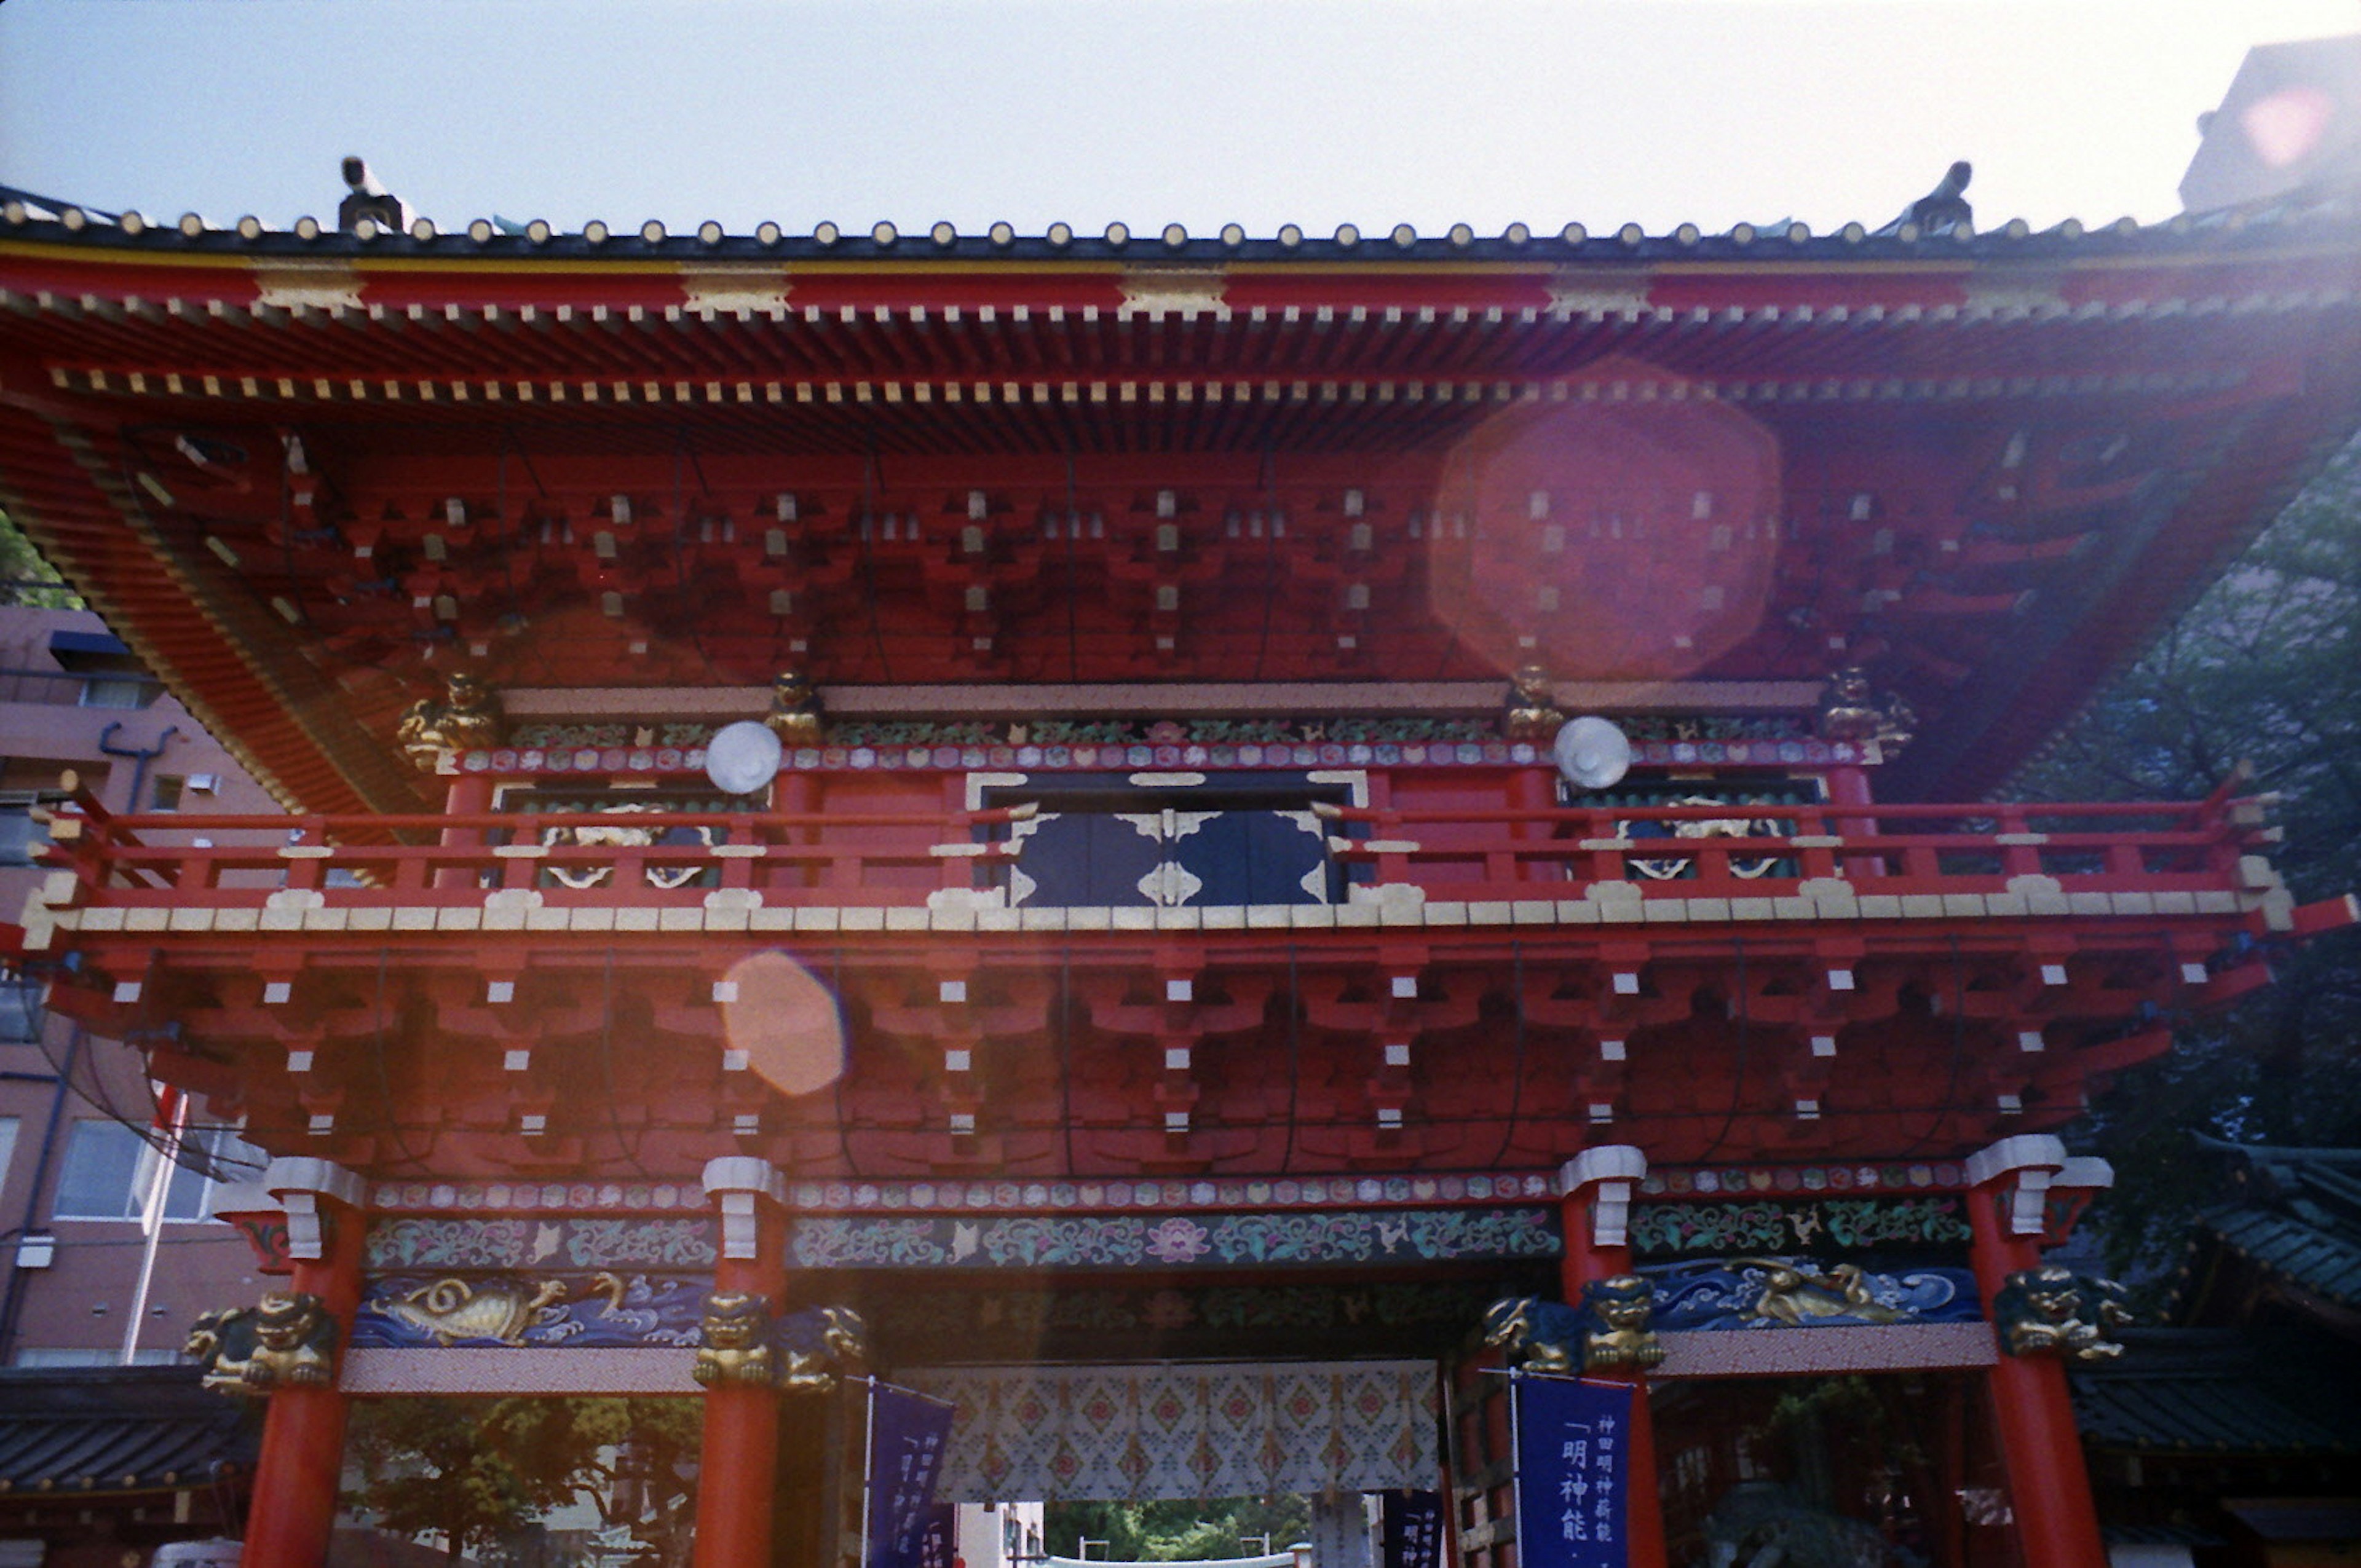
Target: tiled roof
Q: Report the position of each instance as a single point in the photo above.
(88, 1430)
(2219, 1391)
(2321, 1259)
(2299, 1216)
(31, 216)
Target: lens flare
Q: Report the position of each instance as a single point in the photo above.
(787, 1023)
(1628, 533)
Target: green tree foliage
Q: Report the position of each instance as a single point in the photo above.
(24, 577)
(2266, 667)
(1183, 1532)
(481, 1472)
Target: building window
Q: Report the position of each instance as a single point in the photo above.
(20, 1010)
(109, 1167)
(21, 837)
(169, 789)
(76, 1356)
(118, 691)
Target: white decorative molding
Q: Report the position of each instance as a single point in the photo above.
(1614, 1169)
(2034, 1160)
(298, 1183)
(1184, 291)
(1583, 290)
(711, 287)
(736, 1181)
(2084, 1173)
(318, 285)
(1885, 1347)
(621, 1370)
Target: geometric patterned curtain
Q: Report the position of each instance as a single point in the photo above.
(1132, 1433)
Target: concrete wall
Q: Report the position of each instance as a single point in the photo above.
(52, 718)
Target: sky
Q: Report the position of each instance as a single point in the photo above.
(1148, 112)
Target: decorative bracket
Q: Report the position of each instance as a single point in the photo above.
(738, 1180)
(1615, 1169)
(298, 1183)
(2038, 1164)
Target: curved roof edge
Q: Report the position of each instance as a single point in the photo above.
(1519, 244)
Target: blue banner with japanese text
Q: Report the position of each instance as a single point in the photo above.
(1573, 1442)
(907, 1435)
(1412, 1530)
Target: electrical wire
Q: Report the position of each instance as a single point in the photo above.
(863, 535)
(836, 1099)
(1073, 577)
(1270, 555)
(384, 1078)
(1738, 1079)
(1958, 1051)
(1066, 1050)
(628, 1148)
(1294, 1060)
(1517, 1079)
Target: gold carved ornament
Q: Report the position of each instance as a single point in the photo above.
(467, 717)
(735, 1351)
(745, 1346)
(1531, 710)
(794, 716)
(288, 1340)
(493, 1308)
(1797, 1298)
(1610, 1329)
(1852, 710)
(2053, 1310)
(1620, 1334)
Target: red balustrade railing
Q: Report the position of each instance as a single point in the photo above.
(677, 859)
(1737, 850)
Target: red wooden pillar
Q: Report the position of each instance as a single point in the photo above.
(1596, 1196)
(2048, 1484)
(469, 793)
(1849, 786)
(304, 1435)
(1533, 789)
(736, 1471)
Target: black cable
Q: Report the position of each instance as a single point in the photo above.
(384, 1080)
(1066, 1050)
(1517, 1081)
(869, 556)
(628, 1148)
(1271, 558)
(1073, 583)
(836, 993)
(1958, 1051)
(1294, 1060)
(1738, 1081)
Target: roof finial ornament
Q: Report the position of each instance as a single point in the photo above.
(1943, 210)
(368, 198)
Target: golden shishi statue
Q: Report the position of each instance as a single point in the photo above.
(794, 716)
(467, 717)
(1852, 710)
(1531, 712)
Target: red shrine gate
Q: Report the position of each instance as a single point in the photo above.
(1162, 941)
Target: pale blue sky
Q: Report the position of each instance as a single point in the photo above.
(1148, 111)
